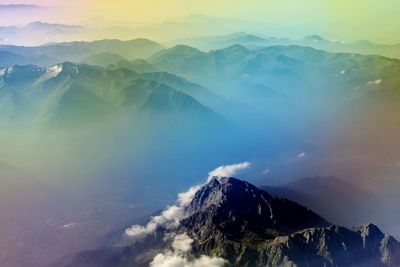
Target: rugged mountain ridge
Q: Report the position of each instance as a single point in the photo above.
(236, 221)
(296, 237)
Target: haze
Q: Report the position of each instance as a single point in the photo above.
(341, 20)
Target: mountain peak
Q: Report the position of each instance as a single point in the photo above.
(314, 38)
(234, 220)
(228, 216)
(185, 49)
(238, 206)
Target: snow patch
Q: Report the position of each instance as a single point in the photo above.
(54, 70)
(69, 226)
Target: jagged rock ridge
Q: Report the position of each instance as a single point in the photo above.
(237, 221)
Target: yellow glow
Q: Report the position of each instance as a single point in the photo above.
(342, 19)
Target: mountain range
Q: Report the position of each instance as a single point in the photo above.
(81, 51)
(69, 93)
(284, 81)
(336, 199)
(316, 41)
(38, 33)
(297, 110)
(260, 89)
(235, 221)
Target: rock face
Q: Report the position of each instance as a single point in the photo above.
(237, 209)
(235, 220)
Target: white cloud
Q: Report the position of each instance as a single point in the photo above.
(172, 215)
(301, 155)
(182, 243)
(173, 260)
(185, 198)
(176, 257)
(169, 218)
(228, 170)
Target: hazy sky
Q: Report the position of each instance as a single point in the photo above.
(376, 20)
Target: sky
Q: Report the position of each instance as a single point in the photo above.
(340, 19)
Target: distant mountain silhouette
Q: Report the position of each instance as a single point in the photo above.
(331, 197)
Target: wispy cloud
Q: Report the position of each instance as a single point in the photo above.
(301, 155)
(181, 244)
(169, 218)
(229, 170)
(172, 215)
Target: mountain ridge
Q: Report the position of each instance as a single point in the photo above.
(229, 219)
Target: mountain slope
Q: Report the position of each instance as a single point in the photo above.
(76, 94)
(300, 66)
(232, 219)
(284, 82)
(103, 59)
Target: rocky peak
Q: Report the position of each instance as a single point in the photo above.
(236, 207)
(236, 221)
(232, 194)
